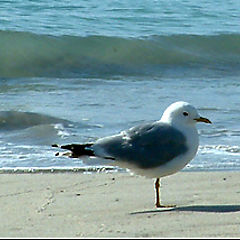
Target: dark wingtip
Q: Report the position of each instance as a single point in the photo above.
(55, 145)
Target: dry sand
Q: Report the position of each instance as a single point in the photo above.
(73, 205)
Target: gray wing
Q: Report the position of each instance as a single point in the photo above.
(146, 146)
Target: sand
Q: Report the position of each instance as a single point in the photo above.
(120, 205)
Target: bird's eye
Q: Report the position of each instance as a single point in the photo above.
(185, 114)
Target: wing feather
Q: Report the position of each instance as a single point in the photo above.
(147, 146)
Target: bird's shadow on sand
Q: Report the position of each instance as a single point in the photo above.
(195, 208)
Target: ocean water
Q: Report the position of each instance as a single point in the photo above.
(74, 71)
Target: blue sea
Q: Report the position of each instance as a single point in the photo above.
(74, 71)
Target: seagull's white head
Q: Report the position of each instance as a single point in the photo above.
(182, 113)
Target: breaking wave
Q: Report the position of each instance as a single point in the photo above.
(15, 120)
(26, 54)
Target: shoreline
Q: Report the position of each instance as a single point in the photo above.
(92, 169)
(119, 205)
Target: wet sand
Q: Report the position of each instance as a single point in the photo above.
(76, 205)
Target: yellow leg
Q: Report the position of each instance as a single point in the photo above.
(157, 188)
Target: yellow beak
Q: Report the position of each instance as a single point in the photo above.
(202, 119)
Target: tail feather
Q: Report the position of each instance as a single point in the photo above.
(77, 150)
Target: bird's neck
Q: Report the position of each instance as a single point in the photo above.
(192, 137)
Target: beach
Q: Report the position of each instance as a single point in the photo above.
(102, 205)
(73, 72)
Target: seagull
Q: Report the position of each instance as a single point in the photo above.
(153, 150)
